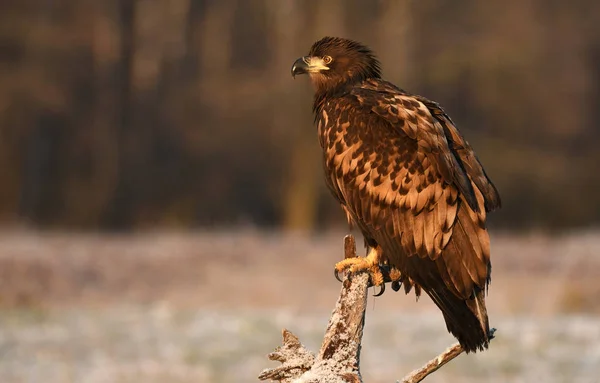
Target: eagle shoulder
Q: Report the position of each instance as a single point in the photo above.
(409, 116)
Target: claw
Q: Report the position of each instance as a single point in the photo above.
(396, 285)
(380, 293)
(337, 275)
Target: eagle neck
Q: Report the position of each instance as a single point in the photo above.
(324, 94)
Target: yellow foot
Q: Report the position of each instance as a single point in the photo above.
(378, 269)
(371, 264)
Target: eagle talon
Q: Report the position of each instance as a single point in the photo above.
(336, 273)
(371, 264)
(396, 285)
(380, 293)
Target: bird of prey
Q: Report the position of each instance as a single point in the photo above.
(408, 179)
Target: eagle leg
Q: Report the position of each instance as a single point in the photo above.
(372, 264)
(393, 275)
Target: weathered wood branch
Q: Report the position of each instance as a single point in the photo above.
(436, 363)
(338, 360)
(339, 356)
(295, 359)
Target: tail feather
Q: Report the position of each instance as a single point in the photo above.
(456, 279)
(456, 282)
(466, 319)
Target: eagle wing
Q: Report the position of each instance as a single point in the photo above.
(399, 171)
(463, 150)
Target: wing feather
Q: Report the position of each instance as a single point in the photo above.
(467, 156)
(429, 232)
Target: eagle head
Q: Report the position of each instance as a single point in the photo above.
(334, 61)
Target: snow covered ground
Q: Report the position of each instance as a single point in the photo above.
(158, 344)
(208, 307)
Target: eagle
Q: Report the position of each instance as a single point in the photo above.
(410, 182)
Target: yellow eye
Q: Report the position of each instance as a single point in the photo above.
(327, 59)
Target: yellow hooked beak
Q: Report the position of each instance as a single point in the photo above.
(308, 64)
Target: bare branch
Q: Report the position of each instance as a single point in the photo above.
(295, 359)
(436, 363)
(338, 359)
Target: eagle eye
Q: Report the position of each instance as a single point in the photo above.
(327, 59)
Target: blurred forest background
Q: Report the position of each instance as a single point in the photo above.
(127, 114)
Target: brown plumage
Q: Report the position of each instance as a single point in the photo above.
(408, 179)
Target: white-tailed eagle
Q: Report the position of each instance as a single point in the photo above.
(409, 180)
